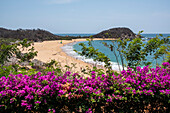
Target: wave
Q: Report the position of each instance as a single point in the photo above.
(69, 50)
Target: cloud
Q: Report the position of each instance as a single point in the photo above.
(61, 1)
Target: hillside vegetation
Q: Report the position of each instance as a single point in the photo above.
(34, 35)
(121, 32)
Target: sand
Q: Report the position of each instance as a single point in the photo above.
(49, 50)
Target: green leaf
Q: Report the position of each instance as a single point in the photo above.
(161, 35)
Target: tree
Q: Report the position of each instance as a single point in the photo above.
(91, 52)
(11, 50)
(134, 51)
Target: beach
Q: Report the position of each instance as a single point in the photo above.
(51, 50)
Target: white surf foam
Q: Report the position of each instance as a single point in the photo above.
(69, 50)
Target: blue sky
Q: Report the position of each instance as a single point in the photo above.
(86, 16)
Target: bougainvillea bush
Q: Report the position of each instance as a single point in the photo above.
(146, 89)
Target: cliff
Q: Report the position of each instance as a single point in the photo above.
(35, 35)
(122, 33)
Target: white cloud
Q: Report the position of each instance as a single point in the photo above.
(61, 1)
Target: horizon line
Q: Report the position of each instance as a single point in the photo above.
(99, 32)
(78, 32)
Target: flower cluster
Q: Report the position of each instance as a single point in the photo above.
(36, 91)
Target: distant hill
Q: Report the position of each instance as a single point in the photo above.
(34, 35)
(42, 35)
(122, 33)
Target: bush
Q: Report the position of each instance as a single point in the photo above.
(145, 90)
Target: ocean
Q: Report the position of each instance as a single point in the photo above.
(76, 35)
(98, 44)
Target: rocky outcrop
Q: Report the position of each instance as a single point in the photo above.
(122, 33)
(35, 63)
(34, 35)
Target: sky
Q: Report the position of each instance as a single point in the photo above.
(86, 16)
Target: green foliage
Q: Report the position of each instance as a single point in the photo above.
(6, 70)
(6, 52)
(136, 51)
(91, 52)
(50, 64)
(70, 68)
(25, 46)
(114, 48)
(15, 69)
(133, 52)
(7, 40)
(9, 50)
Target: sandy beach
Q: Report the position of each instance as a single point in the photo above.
(49, 50)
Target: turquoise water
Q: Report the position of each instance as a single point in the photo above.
(145, 35)
(76, 35)
(98, 44)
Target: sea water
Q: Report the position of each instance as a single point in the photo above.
(98, 44)
(76, 35)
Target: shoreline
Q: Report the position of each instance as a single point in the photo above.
(51, 50)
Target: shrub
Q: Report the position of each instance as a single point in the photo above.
(145, 90)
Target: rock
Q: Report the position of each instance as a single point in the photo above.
(37, 63)
(25, 63)
(122, 33)
(11, 61)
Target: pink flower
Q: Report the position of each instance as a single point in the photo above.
(37, 102)
(166, 64)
